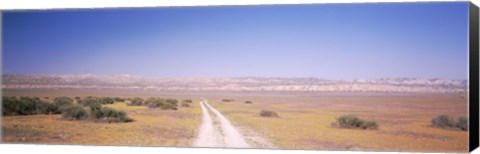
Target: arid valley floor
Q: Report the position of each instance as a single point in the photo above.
(304, 121)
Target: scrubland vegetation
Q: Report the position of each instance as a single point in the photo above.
(268, 113)
(352, 121)
(86, 108)
(447, 122)
(81, 118)
(399, 123)
(228, 100)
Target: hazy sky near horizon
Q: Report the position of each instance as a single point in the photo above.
(331, 41)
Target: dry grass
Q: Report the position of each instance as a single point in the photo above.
(306, 122)
(151, 127)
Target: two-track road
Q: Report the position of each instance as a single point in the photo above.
(217, 131)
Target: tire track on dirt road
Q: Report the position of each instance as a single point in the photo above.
(217, 131)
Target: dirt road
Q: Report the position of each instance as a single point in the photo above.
(217, 131)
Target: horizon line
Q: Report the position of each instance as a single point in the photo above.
(185, 77)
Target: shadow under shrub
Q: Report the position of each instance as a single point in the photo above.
(74, 112)
(447, 122)
(352, 121)
(185, 104)
(228, 100)
(187, 101)
(268, 113)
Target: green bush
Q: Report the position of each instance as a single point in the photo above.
(74, 112)
(187, 100)
(90, 102)
(137, 101)
(169, 106)
(43, 107)
(462, 123)
(25, 106)
(118, 99)
(60, 102)
(106, 100)
(228, 100)
(248, 102)
(109, 115)
(268, 113)
(352, 121)
(172, 101)
(63, 105)
(10, 106)
(150, 100)
(443, 121)
(447, 122)
(155, 103)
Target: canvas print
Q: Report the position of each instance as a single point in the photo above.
(369, 77)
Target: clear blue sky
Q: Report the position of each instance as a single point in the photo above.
(331, 41)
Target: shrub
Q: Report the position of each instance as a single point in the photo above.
(369, 125)
(352, 121)
(447, 122)
(109, 115)
(106, 100)
(118, 99)
(60, 101)
(462, 123)
(170, 104)
(150, 100)
(248, 102)
(156, 103)
(185, 104)
(443, 121)
(42, 107)
(26, 106)
(268, 113)
(187, 100)
(90, 102)
(96, 113)
(74, 112)
(228, 100)
(10, 105)
(136, 102)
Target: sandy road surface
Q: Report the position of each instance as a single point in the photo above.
(217, 131)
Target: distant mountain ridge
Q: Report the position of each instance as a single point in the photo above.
(89, 81)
